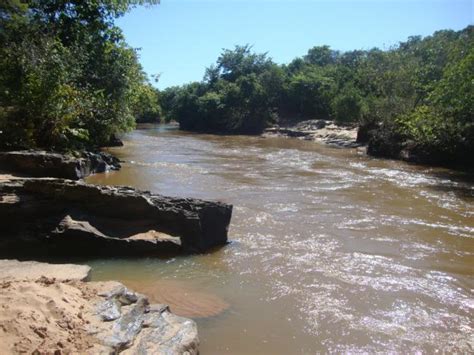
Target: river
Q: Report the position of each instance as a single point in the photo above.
(332, 251)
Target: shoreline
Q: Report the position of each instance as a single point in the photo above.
(48, 308)
(53, 308)
(345, 136)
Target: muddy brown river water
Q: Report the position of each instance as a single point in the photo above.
(332, 251)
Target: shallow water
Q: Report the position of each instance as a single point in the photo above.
(332, 250)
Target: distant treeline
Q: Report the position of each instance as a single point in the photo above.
(415, 99)
(68, 79)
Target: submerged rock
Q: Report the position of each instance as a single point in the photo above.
(47, 164)
(69, 218)
(182, 298)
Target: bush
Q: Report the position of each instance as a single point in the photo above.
(348, 106)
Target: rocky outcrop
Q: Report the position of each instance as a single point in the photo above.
(47, 164)
(132, 325)
(45, 217)
(44, 313)
(320, 131)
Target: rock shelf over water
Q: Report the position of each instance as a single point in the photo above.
(56, 217)
(48, 164)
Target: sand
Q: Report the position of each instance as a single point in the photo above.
(46, 314)
(46, 317)
(61, 313)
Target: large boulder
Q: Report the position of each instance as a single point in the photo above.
(48, 164)
(62, 217)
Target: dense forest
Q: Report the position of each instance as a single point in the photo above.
(415, 99)
(68, 79)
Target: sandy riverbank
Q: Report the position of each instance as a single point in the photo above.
(52, 309)
(45, 314)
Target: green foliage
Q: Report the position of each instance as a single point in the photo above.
(348, 106)
(67, 78)
(417, 95)
(238, 95)
(321, 56)
(233, 64)
(310, 91)
(145, 105)
(444, 125)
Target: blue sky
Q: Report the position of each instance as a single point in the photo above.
(180, 38)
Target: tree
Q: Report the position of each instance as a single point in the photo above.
(309, 93)
(238, 95)
(145, 104)
(415, 97)
(67, 77)
(348, 105)
(241, 61)
(321, 56)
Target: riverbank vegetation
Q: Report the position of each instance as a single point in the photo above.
(415, 100)
(68, 79)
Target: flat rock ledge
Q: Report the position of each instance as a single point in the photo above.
(319, 131)
(32, 270)
(55, 217)
(43, 313)
(47, 164)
